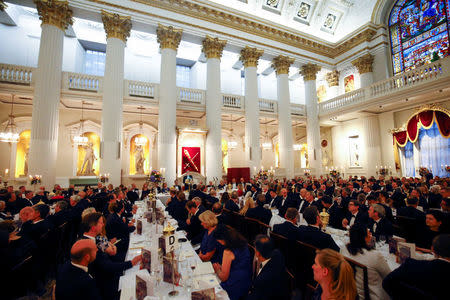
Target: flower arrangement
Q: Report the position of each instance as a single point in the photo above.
(423, 171)
(307, 172)
(35, 179)
(334, 173)
(263, 174)
(447, 168)
(155, 176)
(382, 171)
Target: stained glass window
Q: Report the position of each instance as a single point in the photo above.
(419, 30)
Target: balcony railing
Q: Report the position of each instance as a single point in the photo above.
(233, 101)
(140, 89)
(82, 82)
(298, 109)
(267, 105)
(16, 74)
(191, 95)
(423, 76)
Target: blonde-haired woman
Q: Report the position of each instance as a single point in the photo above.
(334, 275)
(210, 249)
(248, 203)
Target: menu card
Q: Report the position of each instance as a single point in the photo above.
(170, 267)
(139, 227)
(141, 288)
(405, 250)
(146, 260)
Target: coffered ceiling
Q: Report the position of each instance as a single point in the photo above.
(329, 20)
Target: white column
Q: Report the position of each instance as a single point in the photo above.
(281, 65)
(371, 130)
(117, 30)
(169, 39)
(386, 122)
(45, 114)
(365, 69)
(213, 47)
(309, 72)
(250, 56)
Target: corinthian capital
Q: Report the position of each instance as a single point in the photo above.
(213, 47)
(332, 78)
(309, 71)
(54, 12)
(281, 64)
(250, 56)
(168, 37)
(364, 63)
(116, 26)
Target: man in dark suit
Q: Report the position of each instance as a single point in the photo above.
(232, 203)
(26, 201)
(309, 199)
(73, 281)
(194, 226)
(61, 215)
(398, 198)
(354, 215)
(428, 276)
(411, 211)
(312, 234)
(217, 210)
(285, 202)
(378, 224)
(289, 228)
(196, 192)
(117, 228)
(39, 225)
(271, 199)
(259, 212)
(270, 281)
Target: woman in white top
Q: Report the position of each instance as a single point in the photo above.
(248, 203)
(359, 250)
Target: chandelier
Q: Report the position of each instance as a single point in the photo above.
(232, 144)
(9, 134)
(140, 140)
(79, 139)
(267, 143)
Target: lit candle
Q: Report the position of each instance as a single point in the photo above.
(6, 172)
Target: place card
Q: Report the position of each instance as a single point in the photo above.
(204, 268)
(405, 250)
(170, 270)
(139, 227)
(141, 288)
(146, 260)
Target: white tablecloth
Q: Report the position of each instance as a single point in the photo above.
(163, 198)
(185, 253)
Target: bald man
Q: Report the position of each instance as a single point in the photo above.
(73, 281)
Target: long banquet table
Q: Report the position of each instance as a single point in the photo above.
(341, 238)
(187, 257)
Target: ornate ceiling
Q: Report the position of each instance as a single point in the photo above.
(329, 20)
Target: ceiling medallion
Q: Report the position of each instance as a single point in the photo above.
(329, 21)
(273, 3)
(303, 10)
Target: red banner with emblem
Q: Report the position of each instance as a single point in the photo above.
(190, 159)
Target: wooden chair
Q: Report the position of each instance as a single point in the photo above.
(21, 279)
(301, 256)
(252, 227)
(235, 220)
(406, 228)
(356, 265)
(281, 243)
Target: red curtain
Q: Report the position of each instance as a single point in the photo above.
(423, 119)
(443, 122)
(190, 159)
(238, 173)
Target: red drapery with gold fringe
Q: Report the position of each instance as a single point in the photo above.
(423, 119)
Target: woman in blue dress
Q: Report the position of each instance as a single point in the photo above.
(210, 249)
(235, 272)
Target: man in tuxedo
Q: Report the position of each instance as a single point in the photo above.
(196, 192)
(289, 228)
(194, 227)
(270, 281)
(428, 276)
(398, 197)
(285, 202)
(379, 225)
(309, 199)
(271, 199)
(73, 282)
(27, 200)
(259, 212)
(312, 234)
(39, 225)
(411, 211)
(354, 215)
(217, 210)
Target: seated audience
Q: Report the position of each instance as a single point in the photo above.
(18, 247)
(248, 203)
(117, 228)
(426, 277)
(218, 211)
(411, 211)
(38, 225)
(270, 282)
(334, 275)
(73, 282)
(210, 249)
(260, 212)
(232, 203)
(312, 234)
(361, 250)
(61, 215)
(354, 215)
(193, 225)
(235, 271)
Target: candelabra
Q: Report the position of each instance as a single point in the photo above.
(383, 171)
(104, 178)
(35, 180)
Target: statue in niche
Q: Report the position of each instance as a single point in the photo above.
(139, 159)
(88, 162)
(25, 163)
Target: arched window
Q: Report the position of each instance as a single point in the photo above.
(419, 31)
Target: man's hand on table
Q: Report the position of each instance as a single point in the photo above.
(136, 260)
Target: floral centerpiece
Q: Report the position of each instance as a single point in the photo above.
(263, 174)
(382, 171)
(307, 172)
(334, 173)
(36, 179)
(423, 171)
(154, 176)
